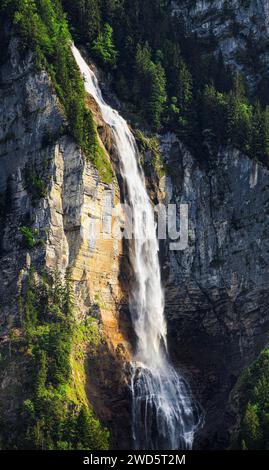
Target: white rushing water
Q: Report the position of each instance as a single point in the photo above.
(163, 414)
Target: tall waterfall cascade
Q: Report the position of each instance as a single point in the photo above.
(164, 416)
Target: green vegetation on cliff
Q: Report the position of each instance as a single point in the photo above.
(55, 412)
(169, 78)
(103, 46)
(254, 392)
(148, 54)
(150, 150)
(42, 27)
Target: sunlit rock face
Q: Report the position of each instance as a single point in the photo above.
(217, 288)
(35, 146)
(237, 28)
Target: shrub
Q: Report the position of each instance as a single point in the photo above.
(254, 390)
(28, 237)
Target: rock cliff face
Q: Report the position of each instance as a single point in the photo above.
(217, 288)
(36, 147)
(238, 28)
(47, 185)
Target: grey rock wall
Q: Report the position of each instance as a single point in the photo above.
(217, 289)
(240, 29)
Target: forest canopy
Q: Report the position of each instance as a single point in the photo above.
(147, 52)
(168, 78)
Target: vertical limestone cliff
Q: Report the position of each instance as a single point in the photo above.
(49, 190)
(217, 288)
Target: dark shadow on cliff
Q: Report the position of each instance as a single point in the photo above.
(109, 393)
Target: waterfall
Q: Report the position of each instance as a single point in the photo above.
(163, 413)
